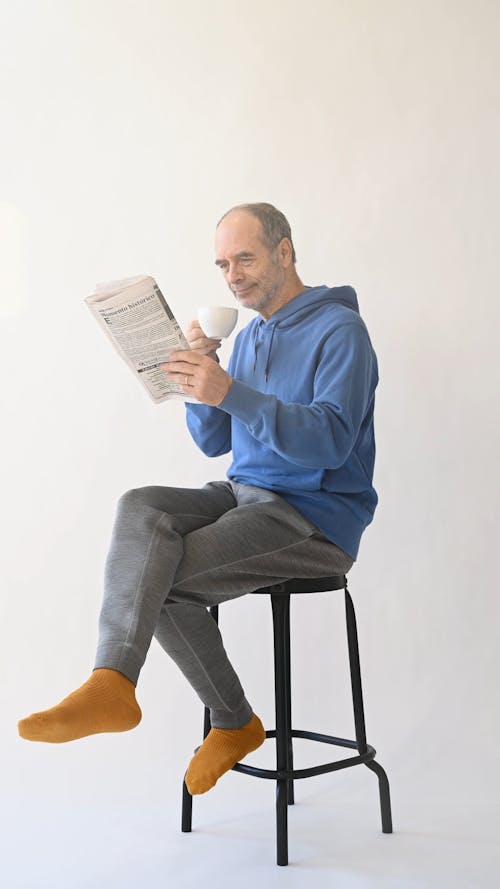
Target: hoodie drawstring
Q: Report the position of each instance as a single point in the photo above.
(255, 332)
(268, 362)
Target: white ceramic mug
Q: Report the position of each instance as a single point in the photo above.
(217, 321)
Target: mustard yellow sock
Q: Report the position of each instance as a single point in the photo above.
(220, 751)
(104, 703)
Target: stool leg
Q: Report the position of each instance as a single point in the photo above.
(385, 796)
(357, 694)
(359, 716)
(279, 606)
(187, 799)
(207, 725)
(187, 809)
(288, 686)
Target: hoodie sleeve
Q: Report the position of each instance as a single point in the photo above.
(210, 427)
(321, 434)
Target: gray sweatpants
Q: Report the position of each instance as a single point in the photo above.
(175, 551)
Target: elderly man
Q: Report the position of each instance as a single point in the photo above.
(295, 407)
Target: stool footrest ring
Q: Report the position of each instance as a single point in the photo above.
(293, 774)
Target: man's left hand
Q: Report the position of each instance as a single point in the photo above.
(198, 375)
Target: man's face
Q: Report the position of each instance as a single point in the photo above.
(254, 274)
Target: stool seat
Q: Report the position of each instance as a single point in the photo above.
(284, 733)
(305, 585)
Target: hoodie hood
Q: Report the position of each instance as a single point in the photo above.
(313, 298)
(309, 302)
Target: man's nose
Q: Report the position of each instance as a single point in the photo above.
(234, 274)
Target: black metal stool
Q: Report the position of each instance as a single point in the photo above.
(285, 774)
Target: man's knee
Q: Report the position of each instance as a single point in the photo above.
(169, 500)
(135, 498)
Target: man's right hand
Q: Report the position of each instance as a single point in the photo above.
(201, 343)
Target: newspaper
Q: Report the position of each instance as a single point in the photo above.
(139, 322)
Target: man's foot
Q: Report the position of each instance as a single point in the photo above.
(104, 703)
(220, 751)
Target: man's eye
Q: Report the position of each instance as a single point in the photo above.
(247, 261)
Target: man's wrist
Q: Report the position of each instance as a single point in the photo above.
(229, 383)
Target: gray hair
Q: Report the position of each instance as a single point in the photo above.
(275, 225)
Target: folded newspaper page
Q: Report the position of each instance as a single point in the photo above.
(137, 319)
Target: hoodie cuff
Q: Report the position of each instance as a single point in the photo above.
(244, 403)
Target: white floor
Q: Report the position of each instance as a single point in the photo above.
(73, 841)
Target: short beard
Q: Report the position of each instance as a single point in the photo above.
(270, 294)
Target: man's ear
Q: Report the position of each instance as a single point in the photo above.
(285, 252)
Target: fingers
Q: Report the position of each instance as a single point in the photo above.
(180, 373)
(182, 358)
(204, 345)
(183, 364)
(199, 376)
(198, 341)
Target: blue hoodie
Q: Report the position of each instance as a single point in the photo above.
(299, 413)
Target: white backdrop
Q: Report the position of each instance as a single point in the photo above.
(128, 129)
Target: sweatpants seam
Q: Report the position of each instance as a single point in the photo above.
(191, 649)
(135, 607)
(241, 561)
